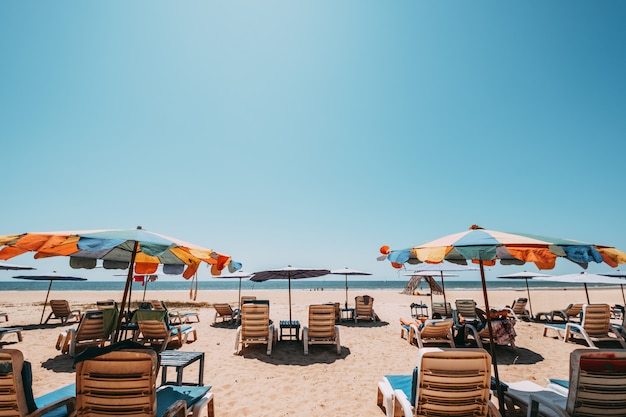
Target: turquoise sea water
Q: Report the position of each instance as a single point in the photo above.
(17, 285)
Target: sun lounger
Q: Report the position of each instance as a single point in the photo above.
(155, 331)
(175, 316)
(224, 312)
(446, 382)
(518, 309)
(364, 308)
(16, 395)
(596, 387)
(569, 313)
(466, 310)
(321, 328)
(595, 327)
(11, 330)
(255, 327)
(61, 310)
(442, 310)
(94, 329)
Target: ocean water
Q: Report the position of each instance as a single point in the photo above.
(306, 284)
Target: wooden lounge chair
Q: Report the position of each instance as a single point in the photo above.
(594, 327)
(224, 312)
(503, 332)
(11, 330)
(155, 331)
(596, 387)
(569, 313)
(446, 382)
(321, 328)
(432, 331)
(364, 308)
(441, 310)
(255, 327)
(104, 304)
(123, 383)
(16, 397)
(94, 329)
(61, 310)
(175, 316)
(518, 309)
(466, 310)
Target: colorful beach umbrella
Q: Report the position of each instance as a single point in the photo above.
(525, 276)
(49, 277)
(288, 273)
(118, 249)
(347, 271)
(484, 247)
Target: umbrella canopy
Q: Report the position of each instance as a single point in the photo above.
(484, 247)
(347, 271)
(50, 277)
(4, 266)
(142, 249)
(525, 276)
(288, 273)
(584, 278)
(239, 274)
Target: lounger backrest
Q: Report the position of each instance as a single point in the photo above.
(574, 310)
(118, 383)
(255, 321)
(436, 328)
(61, 308)
(453, 382)
(519, 305)
(91, 326)
(157, 305)
(596, 319)
(321, 321)
(223, 309)
(153, 329)
(364, 305)
(245, 298)
(466, 307)
(597, 383)
(12, 396)
(443, 309)
(103, 304)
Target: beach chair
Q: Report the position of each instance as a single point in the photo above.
(224, 312)
(442, 310)
(518, 309)
(569, 313)
(503, 332)
(154, 330)
(94, 329)
(4, 316)
(364, 308)
(61, 310)
(104, 304)
(432, 331)
(466, 310)
(596, 387)
(445, 382)
(255, 327)
(595, 327)
(16, 395)
(11, 330)
(321, 328)
(175, 316)
(123, 383)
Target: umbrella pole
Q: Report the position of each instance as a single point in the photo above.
(492, 347)
(530, 305)
(129, 280)
(346, 291)
(145, 287)
(45, 303)
(239, 296)
(289, 284)
(586, 292)
(443, 288)
(623, 297)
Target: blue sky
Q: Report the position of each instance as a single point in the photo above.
(311, 133)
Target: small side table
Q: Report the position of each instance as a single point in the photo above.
(290, 329)
(347, 314)
(180, 360)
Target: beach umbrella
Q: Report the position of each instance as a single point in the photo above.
(288, 273)
(347, 271)
(525, 276)
(239, 274)
(583, 278)
(440, 268)
(484, 247)
(118, 249)
(617, 274)
(4, 266)
(49, 277)
(416, 278)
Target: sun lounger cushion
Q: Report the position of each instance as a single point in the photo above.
(66, 391)
(405, 383)
(169, 394)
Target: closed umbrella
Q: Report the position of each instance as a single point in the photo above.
(288, 273)
(525, 276)
(50, 277)
(347, 271)
(484, 247)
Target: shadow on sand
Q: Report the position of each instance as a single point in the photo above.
(291, 352)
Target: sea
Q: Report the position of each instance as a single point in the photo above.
(301, 284)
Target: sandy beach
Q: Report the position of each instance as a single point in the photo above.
(287, 383)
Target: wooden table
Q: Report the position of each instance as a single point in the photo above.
(180, 360)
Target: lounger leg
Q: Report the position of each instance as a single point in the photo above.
(237, 339)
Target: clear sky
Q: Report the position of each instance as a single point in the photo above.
(311, 133)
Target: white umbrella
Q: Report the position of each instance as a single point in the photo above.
(347, 271)
(526, 276)
(584, 278)
(240, 275)
(288, 273)
(617, 274)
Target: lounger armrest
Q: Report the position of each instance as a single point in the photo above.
(177, 409)
(538, 398)
(69, 402)
(401, 401)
